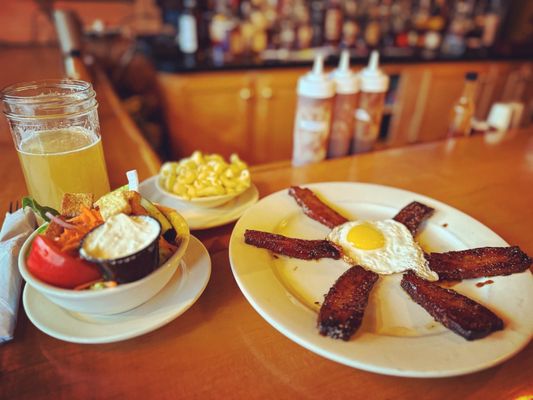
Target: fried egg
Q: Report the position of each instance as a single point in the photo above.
(384, 247)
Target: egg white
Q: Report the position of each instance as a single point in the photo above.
(399, 253)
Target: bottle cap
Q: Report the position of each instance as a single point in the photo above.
(346, 81)
(316, 84)
(372, 78)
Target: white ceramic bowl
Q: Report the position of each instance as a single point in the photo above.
(203, 202)
(115, 300)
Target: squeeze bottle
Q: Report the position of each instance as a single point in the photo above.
(313, 115)
(374, 85)
(346, 99)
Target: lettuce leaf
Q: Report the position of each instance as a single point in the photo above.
(38, 209)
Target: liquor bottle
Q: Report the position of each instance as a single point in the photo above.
(373, 28)
(236, 40)
(454, 40)
(385, 23)
(491, 23)
(463, 110)
(435, 25)
(420, 22)
(287, 34)
(217, 27)
(188, 28)
(304, 30)
(350, 28)
(400, 24)
(170, 12)
(333, 22)
(204, 20)
(317, 22)
(304, 34)
(260, 36)
(475, 33)
(246, 26)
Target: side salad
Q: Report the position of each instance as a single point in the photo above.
(89, 244)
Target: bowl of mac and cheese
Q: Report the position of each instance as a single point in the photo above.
(204, 180)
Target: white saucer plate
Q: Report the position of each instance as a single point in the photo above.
(201, 217)
(180, 293)
(397, 336)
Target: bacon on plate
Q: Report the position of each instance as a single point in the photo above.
(412, 216)
(315, 208)
(478, 263)
(291, 247)
(344, 306)
(456, 312)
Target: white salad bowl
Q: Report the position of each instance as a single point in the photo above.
(108, 301)
(202, 202)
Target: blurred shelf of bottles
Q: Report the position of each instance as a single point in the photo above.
(223, 31)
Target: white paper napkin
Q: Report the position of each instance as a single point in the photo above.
(16, 228)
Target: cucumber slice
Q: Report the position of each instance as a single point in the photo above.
(178, 222)
(154, 212)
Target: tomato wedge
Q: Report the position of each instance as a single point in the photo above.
(50, 265)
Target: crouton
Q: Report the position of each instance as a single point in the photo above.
(72, 203)
(116, 202)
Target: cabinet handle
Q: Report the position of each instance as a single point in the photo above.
(245, 94)
(266, 93)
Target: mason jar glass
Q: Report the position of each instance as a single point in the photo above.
(55, 129)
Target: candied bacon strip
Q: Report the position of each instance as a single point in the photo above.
(344, 306)
(456, 312)
(477, 263)
(314, 208)
(412, 216)
(291, 247)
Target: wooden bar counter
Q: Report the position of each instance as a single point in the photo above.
(221, 348)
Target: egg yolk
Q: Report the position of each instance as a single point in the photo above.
(366, 237)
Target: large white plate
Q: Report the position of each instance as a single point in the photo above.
(201, 217)
(397, 336)
(180, 293)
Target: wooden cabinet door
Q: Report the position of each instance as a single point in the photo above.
(447, 84)
(275, 106)
(208, 112)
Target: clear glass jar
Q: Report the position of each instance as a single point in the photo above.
(56, 132)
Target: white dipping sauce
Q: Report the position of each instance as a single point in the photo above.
(120, 236)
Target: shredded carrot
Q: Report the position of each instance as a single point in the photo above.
(88, 219)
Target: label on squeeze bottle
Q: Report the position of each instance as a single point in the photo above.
(313, 115)
(311, 134)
